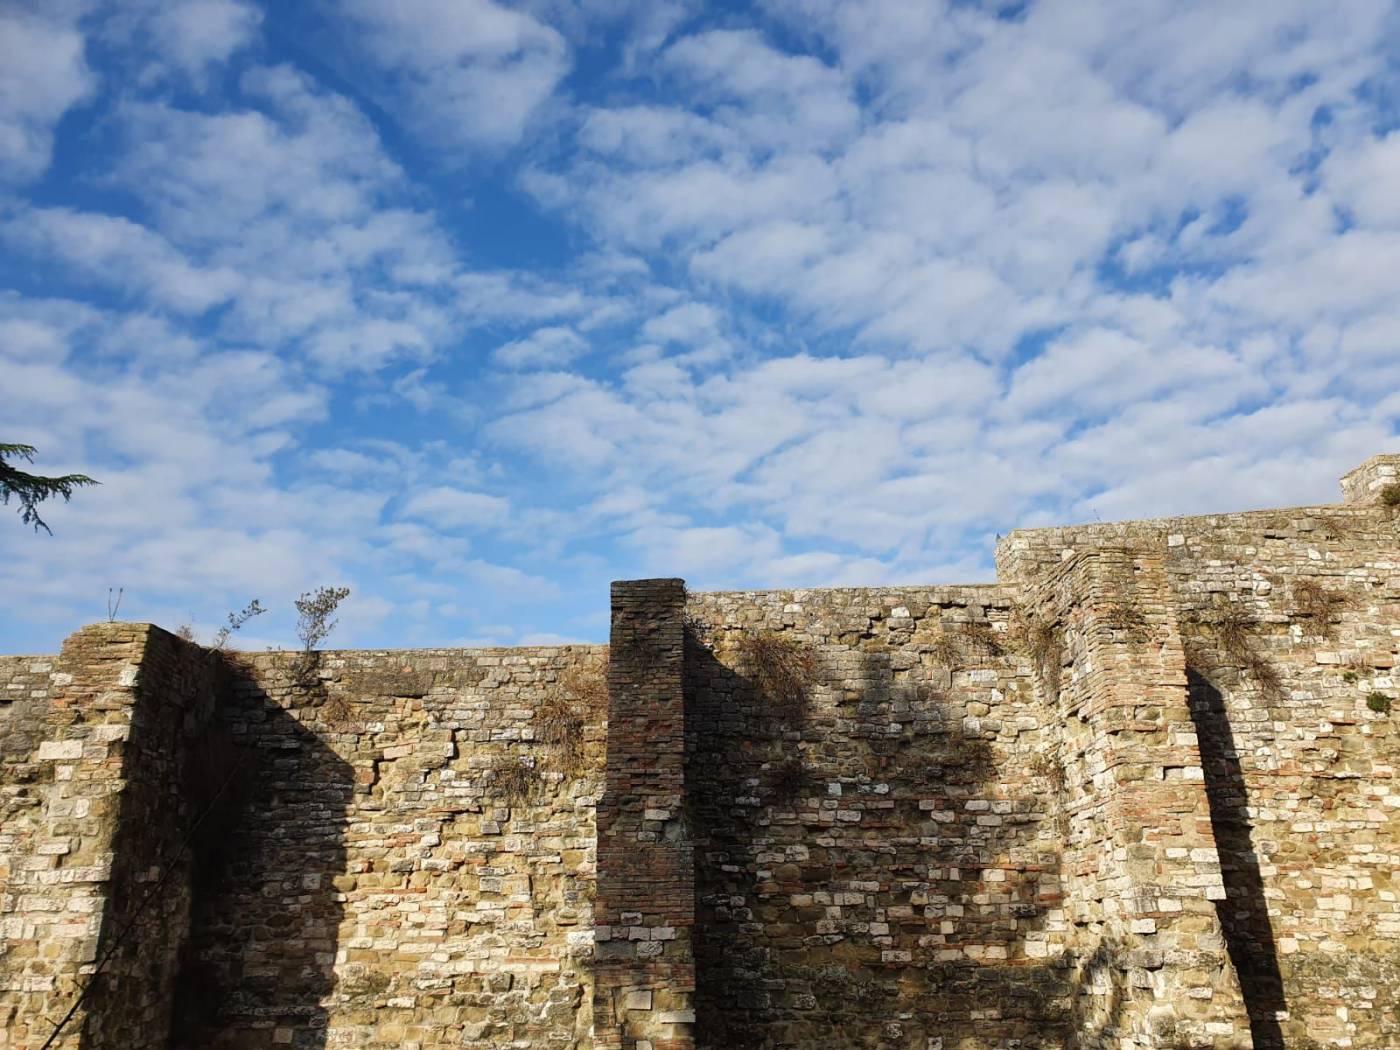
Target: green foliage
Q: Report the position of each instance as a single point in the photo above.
(236, 621)
(1379, 703)
(32, 489)
(1390, 494)
(314, 623)
(314, 612)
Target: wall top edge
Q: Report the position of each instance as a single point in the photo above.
(332, 654)
(1212, 520)
(979, 590)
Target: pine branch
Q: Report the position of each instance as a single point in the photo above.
(33, 489)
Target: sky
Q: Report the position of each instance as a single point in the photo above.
(473, 307)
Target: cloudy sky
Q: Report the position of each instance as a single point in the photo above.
(473, 307)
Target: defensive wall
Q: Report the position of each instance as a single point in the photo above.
(1139, 793)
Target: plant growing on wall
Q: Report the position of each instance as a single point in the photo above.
(1318, 605)
(315, 621)
(561, 717)
(782, 669)
(981, 639)
(514, 780)
(956, 644)
(787, 778)
(1379, 703)
(1234, 630)
(1390, 494)
(236, 620)
(1044, 643)
(315, 610)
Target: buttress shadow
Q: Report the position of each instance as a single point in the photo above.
(265, 917)
(1244, 913)
(770, 973)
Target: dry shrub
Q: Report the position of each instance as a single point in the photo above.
(1317, 604)
(1235, 628)
(336, 709)
(956, 645)
(1128, 619)
(559, 723)
(514, 780)
(561, 717)
(1047, 764)
(783, 669)
(587, 685)
(1390, 495)
(946, 650)
(982, 640)
(1044, 643)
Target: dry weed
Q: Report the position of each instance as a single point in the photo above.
(783, 669)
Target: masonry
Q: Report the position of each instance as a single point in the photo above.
(1138, 793)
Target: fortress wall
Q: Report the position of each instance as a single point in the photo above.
(1141, 793)
(408, 863)
(878, 863)
(1290, 619)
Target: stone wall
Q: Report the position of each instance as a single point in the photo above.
(877, 853)
(411, 861)
(1290, 621)
(93, 815)
(1140, 865)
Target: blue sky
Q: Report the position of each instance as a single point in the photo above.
(473, 307)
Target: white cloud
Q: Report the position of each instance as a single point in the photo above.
(830, 301)
(165, 43)
(196, 34)
(1364, 179)
(546, 347)
(114, 250)
(43, 74)
(456, 508)
(771, 100)
(464, 74)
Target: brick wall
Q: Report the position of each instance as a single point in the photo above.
(645, 971)
(1140, 866)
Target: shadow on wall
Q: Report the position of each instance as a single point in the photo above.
(265, 921)
(1244, 913)
(774, 969)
